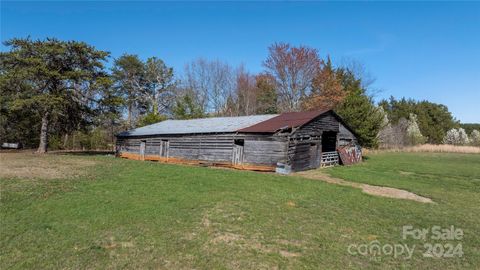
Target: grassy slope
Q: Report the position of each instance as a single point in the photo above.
(141, 214)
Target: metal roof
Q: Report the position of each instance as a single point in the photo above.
(284, 121)
(203, 125)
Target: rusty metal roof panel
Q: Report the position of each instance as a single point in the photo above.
(203, 125)
(283, 121)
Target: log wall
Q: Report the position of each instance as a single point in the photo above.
(258, 149)
(345, 136)
(300, 149)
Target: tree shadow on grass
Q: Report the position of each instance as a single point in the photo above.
(83, 153)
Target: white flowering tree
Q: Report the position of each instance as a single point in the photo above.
(413, 131)
(475, 138)
(463, 137)
(456, 137)
(452, 137)
(385, 134)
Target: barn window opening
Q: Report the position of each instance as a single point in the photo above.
(240, 142)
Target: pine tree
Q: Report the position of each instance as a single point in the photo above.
(186, 108)
(359, 111)
(58, 81)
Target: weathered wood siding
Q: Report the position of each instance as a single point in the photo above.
(258, 149)
(305, 143)
(325, 122)
(267, 152)
(345, 136)
(300, 149)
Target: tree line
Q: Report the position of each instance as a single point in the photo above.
(60, 94)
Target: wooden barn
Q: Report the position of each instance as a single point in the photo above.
(284, 142)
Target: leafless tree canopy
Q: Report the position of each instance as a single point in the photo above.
(293, 69)
(246, 93)
(212, 83)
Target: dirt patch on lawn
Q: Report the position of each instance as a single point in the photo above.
(222, 227)
(46, 166)
(369, 189)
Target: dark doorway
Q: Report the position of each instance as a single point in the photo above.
(237, 157)
(329, 141)
(143, 146)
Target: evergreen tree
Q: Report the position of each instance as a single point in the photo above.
(53, 80)
(159, 86)
(358, 110)
(186, 108)
(434, 120)
(128, 73)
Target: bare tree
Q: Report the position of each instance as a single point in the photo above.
(197, 81)
(293, 69)
(212, 82)
(359, 70)
(246, 92)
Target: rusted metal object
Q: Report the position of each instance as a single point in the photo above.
(350, 154)
(283, 121)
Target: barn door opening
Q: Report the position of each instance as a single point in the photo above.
(237, 157)
(164, 145)
(329, 141)
(329, 149)
(143, 145)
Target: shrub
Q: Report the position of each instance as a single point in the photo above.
(475, 138)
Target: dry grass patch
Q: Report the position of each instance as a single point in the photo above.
(366, 188)
(432, 148)
(29, 165)
(222, 226)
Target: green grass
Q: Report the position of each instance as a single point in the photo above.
(132, 214)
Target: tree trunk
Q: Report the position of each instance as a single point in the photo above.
(112, 135)
(42, 147)
(129, 120)
(65, 141)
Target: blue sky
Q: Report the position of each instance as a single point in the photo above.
(423, 50)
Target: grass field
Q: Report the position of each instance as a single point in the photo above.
(86, 212)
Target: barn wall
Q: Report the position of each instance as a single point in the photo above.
(299, 150)
(305, 143)
(325, 122)
(258, 149)
(262, 151)
(345, 136)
